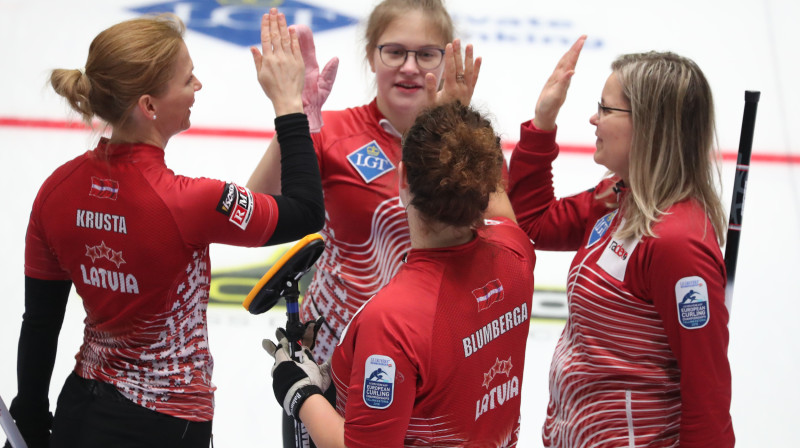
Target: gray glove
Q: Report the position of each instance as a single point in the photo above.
(293, 381)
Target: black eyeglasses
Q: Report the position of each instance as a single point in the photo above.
(604, 109)
(428, 58)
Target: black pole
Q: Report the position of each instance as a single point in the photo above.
(282, 281)
(294, 329)
(739, 189)
(294, 334)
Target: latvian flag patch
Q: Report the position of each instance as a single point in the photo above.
(104, 188)
(489, 294)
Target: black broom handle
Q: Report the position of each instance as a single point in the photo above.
(739, 189)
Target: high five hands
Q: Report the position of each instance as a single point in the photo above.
(279, 64)
(554, 92)
(318, 84)
(459, 76)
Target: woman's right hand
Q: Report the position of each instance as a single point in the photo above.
(279, 64)
(555, 89)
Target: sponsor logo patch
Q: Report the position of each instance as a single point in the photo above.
(104, 188)
(618, 249)
(237, 204)
(489, 294)
(615, 256)
(370, 161)
(229, 196)
(379, 376)
(600, 228)
(691, 296)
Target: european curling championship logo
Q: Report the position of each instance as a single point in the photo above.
(691, 294)
(379, 375)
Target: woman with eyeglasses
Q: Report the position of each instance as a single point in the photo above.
(642, 360)
(410, 48)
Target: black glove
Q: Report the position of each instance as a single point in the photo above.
(310, 334)
(33, 421)
(293, 381)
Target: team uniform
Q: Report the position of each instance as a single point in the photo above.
(134, 238)
(642, 360)
(436, 358)
(366, 233)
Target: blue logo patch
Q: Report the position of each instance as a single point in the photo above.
(600, 228)
(379, 373)
(691, 295)
(239, 22)
(370, 161)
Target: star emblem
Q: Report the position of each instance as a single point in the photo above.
(499, 367)
(91, 252)
(103, 251)
(116, 258)
(487, 379)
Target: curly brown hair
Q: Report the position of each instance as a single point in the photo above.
(453, 163)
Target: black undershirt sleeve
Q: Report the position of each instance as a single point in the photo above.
(301, 209)
(45, 305)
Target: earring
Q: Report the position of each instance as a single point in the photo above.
(154, 116)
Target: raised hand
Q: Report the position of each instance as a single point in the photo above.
(554, 92)
(279, 64)
(317, 85)
(460, 77)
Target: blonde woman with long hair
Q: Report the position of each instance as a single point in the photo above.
(642, 360)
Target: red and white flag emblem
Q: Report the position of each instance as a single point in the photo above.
(489, 294)
(104, 188)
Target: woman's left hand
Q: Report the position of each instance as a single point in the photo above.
(280, 68)
(318, 84)
(459, 77)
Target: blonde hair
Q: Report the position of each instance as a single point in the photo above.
(388, 10)
(127, 60)
(453, 163)
(673, 153)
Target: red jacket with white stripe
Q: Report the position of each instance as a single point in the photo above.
(642, 360)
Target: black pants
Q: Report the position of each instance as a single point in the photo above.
(93, 414)
(289, 425)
